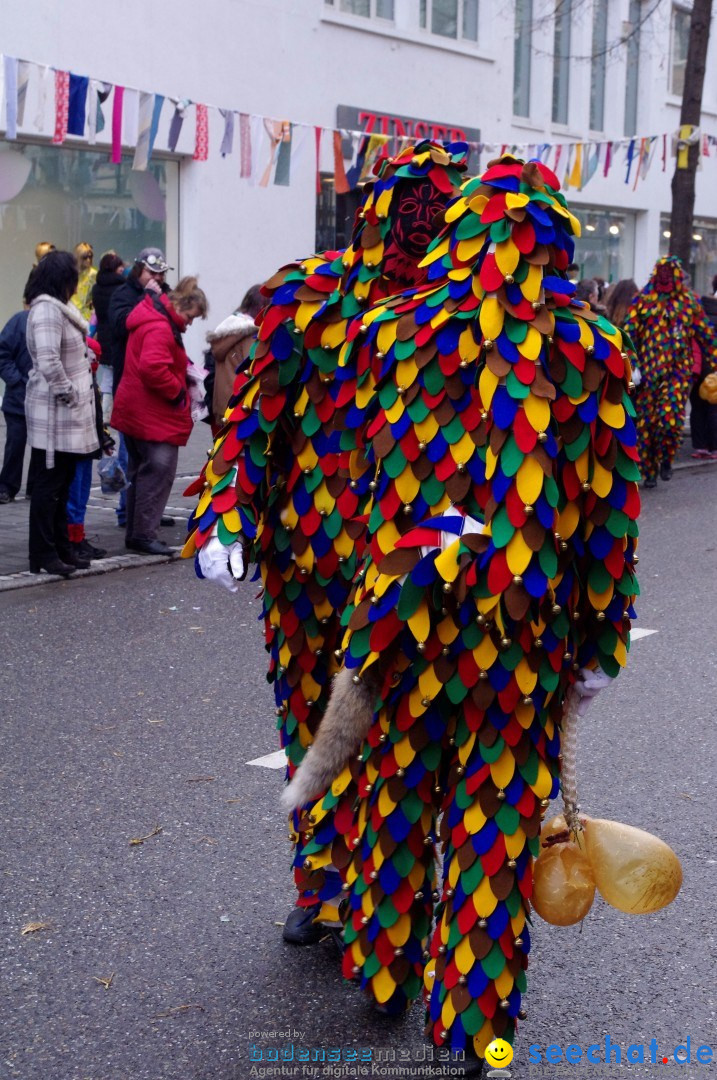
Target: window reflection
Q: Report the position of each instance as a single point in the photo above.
(75, 194)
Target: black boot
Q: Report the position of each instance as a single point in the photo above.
(665, 471)
(70, 555)
(86, 550)
(52, 564)
(650, 482)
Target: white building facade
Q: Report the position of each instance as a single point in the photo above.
(605, 74)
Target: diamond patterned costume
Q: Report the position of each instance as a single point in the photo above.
(279, 476)
(494, 412)
(664, 321)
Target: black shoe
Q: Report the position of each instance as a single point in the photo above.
(69, 555)
(300, 928)
(665, 471)
(6, 497)
(149, 547)
(86, 550)
(650, 482)
(166, 521)
(52, 565)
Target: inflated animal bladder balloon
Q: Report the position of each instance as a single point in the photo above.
(634, 871)
(563, 881)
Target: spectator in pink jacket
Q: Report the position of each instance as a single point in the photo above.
(152, 407)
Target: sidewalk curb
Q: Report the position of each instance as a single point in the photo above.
(697, 463)
(25, 579)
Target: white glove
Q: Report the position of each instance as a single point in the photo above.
(589, 683)
(636, 375)
(222, 563)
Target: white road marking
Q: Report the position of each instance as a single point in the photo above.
(277, 760)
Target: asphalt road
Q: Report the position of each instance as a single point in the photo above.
(132, 703)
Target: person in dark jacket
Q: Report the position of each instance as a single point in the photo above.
(15, 366)
(148, 272)
(152, 407)
(109, 279)
(703, 415)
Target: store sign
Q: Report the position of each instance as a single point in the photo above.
(377, 123)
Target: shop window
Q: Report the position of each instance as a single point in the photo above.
(69, 195)
(335, 215)
(561, 61)
(606, 247)
(703, 252)
(522, 51)
(379, 9)
(457, 19)
(679, 41)
(598, 66)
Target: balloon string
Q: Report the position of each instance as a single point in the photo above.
(568, 754)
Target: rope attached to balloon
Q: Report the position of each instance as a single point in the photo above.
(632, 870)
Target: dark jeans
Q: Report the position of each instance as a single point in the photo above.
(48, 506)
(703, 421)
(123, 460)
(15, 439)
(151, 470)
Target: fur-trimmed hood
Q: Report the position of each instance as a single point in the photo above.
(238, 325)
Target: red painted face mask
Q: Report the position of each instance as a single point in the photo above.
(665, 278)
(412, 230)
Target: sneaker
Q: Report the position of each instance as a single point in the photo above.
(88, 551)
(701, 455)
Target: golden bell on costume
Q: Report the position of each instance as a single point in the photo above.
(635, 871)
(563, 880)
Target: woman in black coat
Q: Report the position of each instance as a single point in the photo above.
(109, 276)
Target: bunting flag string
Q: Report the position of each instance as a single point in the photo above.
(62, 105)
(244, 146)
(77, 104)
(11, 77)
(23, 80)
(142, 150)
(228, 137)
(201, 141)
(117, 103)
(268, 146)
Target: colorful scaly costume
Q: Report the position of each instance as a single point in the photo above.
(499, 567)
(279, 476)
(663, 322)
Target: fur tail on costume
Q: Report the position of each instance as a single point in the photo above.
(344, 725)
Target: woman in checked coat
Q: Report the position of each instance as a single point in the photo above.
(59, 407)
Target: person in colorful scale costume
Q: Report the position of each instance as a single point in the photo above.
(499, 572)
(664, 321)
(278, 480)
